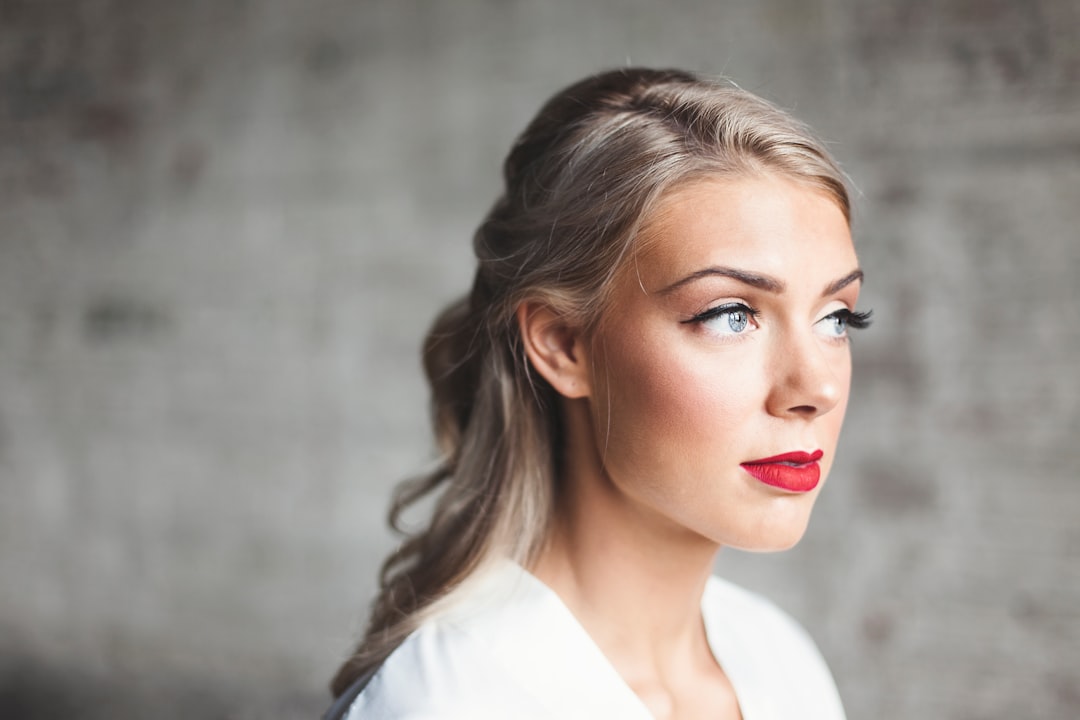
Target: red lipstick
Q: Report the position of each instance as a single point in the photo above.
(793, 471)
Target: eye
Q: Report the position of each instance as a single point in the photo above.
(727, 319)
(836, 324)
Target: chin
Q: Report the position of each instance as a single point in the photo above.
(769, 539)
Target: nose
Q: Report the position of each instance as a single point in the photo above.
(809, 378)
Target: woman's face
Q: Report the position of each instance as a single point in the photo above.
(725, 344)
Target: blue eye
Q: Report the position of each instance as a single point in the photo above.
(734, 320)
(729, 319)
(836, 324)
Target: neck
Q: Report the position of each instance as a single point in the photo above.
(638, 604)
(633, 578)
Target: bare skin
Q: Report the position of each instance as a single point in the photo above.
(655, 639)
(663, 404)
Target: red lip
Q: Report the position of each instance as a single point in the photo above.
(793, 471)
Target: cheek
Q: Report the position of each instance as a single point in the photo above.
(832, 422)
(660, 406)
(835, 417)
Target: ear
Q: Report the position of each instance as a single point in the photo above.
(556, 350)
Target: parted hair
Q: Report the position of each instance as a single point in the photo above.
(578, 184)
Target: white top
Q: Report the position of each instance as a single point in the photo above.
(508, 648)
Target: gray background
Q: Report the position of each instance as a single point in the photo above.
(224, 227)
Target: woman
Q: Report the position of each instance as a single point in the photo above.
(653, 363)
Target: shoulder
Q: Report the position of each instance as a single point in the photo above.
(769, 653)
(461, 663)
(434, 675)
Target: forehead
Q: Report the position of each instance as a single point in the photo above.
(765, 223)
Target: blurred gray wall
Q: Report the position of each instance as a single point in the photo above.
(224, 227)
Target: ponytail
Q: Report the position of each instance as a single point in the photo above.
(486, 427)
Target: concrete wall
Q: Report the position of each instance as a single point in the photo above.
(224, 226)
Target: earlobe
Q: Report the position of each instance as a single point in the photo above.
(555, 349)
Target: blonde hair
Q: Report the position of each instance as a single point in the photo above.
(579, 182)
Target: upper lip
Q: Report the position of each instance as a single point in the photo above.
(798, 457)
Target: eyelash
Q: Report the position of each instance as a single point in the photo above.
(852, 319)
(715, 312)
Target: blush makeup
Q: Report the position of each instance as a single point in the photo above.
(794, 471)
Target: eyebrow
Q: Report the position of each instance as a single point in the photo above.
(835, 287)
(763, 282)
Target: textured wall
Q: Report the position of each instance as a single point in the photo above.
(224, 227)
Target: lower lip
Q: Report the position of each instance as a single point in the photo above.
(793, 478)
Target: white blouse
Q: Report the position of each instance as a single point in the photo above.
(507, 648)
